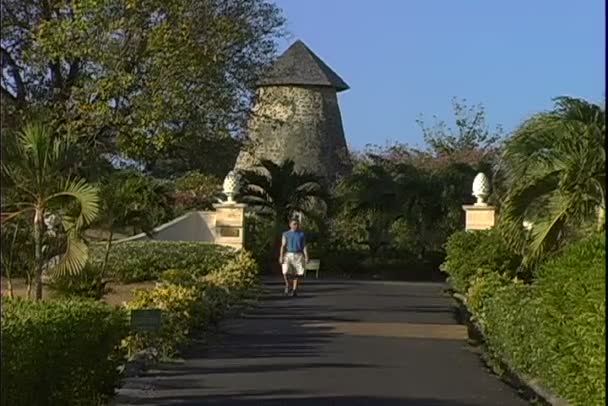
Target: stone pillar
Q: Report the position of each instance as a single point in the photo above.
(230, 224)
(480, 216)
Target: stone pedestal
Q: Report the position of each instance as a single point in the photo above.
(479, 217)
(230, 224)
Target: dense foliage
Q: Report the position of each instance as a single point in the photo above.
(555, 328)
(193, 300)
(60, 352)
(167, 83)
(469, 253)
(146, 260)
(555, 169)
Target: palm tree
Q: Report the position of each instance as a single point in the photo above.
(127, 201)
(278, 192)
(36, 170)
(555, 169)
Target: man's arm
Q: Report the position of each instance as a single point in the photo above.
(305, 251)
(282, 252)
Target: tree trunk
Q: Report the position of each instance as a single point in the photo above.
(104, 265)
(9, 284)
(107, 254)
(29, 285)
(38, 221)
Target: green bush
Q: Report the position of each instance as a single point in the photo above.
(189, 306)
(467, 252)
(60, 352)
(182, 277)
(86, 284)
(484, 285)
(140, 261)
(554, 330)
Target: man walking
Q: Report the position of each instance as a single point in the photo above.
(294, 256)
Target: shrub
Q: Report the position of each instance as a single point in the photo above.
(140, 261)
(554, 330)
(182, 277)
(182, 309)
(60, 352)
(467, 252)
(483, 286)
(194, 306)
(86, 284)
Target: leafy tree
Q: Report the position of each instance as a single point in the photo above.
(36, 169)
(472, 139)
(165, 81)
(555, 166)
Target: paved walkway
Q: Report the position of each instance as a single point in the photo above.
(338, 343)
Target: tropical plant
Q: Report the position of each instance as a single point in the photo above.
(36, 170)
(12, 256)
(555, 166)
(278, 192)
(128, 200)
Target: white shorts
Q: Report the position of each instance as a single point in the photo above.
(293, 263)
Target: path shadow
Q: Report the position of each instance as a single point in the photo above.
(289, 397)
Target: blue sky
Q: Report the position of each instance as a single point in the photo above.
(404, 58)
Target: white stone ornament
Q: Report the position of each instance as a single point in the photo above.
(232, 182)
(481, 189)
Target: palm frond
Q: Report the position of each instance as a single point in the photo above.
(74, 258)
(85, 195)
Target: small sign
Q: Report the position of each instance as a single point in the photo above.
(230, 232)
(146, 320)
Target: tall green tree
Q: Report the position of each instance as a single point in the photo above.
(163, 82)
(36, 173)
(555, 166)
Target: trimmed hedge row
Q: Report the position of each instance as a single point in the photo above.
(555, 329)
(552, 329)
(139, 261)
(469, 253)
(193, 303)
(60, 352)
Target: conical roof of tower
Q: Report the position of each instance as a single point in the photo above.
(299, 66)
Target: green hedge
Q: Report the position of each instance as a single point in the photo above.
(60, 352)
(140, 261)
(193, 304)
(468, 253)
(554, 329)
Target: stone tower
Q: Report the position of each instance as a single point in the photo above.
(296, 116)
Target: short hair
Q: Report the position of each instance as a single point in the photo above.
(294, 220)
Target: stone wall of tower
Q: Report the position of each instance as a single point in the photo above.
(299, 123)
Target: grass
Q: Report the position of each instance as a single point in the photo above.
(118, 293)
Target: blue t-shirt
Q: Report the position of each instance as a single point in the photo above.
(296, 241)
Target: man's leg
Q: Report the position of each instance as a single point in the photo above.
(295, 283)
(298, 264)
(285, 271)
